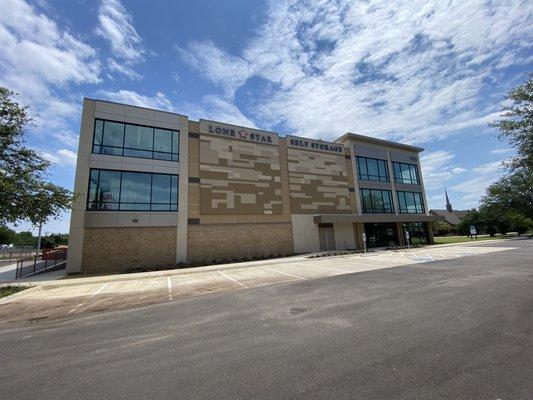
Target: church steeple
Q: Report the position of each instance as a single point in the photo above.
(448, 204)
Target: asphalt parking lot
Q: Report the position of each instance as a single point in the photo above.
(460, 328)
(75, 297)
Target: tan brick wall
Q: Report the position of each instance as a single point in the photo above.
(237, 241)
(108, 250)
(318, 182)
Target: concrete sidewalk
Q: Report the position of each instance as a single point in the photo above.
(70, 281)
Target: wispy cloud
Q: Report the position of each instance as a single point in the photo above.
(438, 168)
(405, 70)
(158, 101)
(39, 60)
(115, 25)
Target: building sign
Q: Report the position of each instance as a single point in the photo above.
(238, 132)
(316, 145)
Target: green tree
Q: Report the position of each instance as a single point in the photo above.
(25, 192)
(516, 125)
(7, 236)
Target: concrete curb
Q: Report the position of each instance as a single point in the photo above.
(15, 296)
(219, 267)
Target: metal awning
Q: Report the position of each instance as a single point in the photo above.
(375, 218)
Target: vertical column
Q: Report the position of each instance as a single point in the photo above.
(401, 235)
(183, 191)
(358, 207)
(391, 176)
(77, 216)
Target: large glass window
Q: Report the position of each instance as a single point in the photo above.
(371, 169)
(410, 203)
(132, 191)
(418, 233)
(376, 201)
(132, 140)
(406, 173)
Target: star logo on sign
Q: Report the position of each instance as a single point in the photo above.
(242, 134)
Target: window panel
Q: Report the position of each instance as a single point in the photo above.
(161, 189)
(410, 202)
(98, 131)
(376, 201)
(132, 191)
(163, 140)
(175, 142)
(406, 173)
(371, 169)
(139, 137)
(135, 187)
(130, 140)
(113, 134)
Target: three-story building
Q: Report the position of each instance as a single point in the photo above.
(155, 189)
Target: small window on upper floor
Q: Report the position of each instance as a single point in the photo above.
(406, 173)
(130, 140)
(371, 169)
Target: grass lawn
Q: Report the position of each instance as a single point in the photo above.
(460, 239)
(9, 290)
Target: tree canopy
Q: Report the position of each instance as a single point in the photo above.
(508, 203)
(25, 192)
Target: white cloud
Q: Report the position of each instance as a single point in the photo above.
(411, 70)
(159, 101)
(217, 109)
(39, 60)
(438, 168)
(473, 189)
(115, 25)
(68, 157)
(63, 157)
(122, 69)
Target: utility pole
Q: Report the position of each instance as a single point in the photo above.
(39, 238)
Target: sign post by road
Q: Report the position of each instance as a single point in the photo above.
(364, 242)
(407, 238)
(473, 231)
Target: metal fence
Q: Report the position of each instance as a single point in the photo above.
(40, 263)
(12, 255)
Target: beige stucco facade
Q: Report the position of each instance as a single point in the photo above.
(243, 193)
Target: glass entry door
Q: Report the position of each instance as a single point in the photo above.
(381, 234)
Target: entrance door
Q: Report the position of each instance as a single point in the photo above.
(381, 234)
(326, 237)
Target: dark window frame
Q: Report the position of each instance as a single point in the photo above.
(153, 152)
(119, 202)
(399, 179)
(405, 210)
(373, 210)
(367, 176)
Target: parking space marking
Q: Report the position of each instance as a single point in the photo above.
(428, 256)
(284, 273)
(90, 297)
(442, 255)
(234, 280)
(169, 285)
(331, 269)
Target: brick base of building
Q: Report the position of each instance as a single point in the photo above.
(215, 243)
(108, 250)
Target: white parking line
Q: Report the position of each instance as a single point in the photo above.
(442, 255)
(284, 273)
(234, 280)
(92, 295)
(331, 269)
(169, 285)
(428, 256)
(99, 290)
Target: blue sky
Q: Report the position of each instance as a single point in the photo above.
(429, 73)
